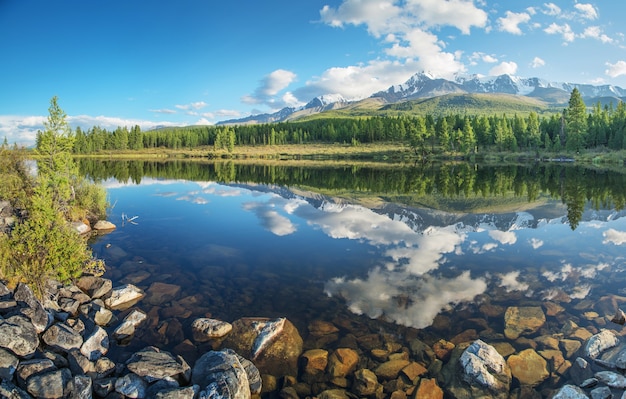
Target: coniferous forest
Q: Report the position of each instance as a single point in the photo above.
(576, 129)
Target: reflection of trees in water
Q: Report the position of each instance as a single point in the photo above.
(574, 185)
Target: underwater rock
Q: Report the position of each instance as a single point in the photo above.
(522, 321)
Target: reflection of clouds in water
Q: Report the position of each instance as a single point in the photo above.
(404, 298)
(580, 291)
(510, 283)
(573, 275)
(146, 181)
(503, 237)
(222, 191)
(536, 243)
(614, 237)
(166, 194)
(428, 250)
(193, 199)
(270, 218)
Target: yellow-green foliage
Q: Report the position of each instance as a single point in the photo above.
(15, 182)
(90, 201)
(43, 246)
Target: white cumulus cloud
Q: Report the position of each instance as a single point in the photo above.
(537, 62)
(564, 30)
(511, 21)
(508, 68)
(587, 11)
(269, 87)
(613, 236)
(617, 69)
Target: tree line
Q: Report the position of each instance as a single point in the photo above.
(575, 129)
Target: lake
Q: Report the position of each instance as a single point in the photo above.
(390, 252)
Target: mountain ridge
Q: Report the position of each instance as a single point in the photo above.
(424, 85)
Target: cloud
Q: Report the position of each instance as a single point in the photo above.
(613, 236)
(192, 106)
(510, 283)
(595, 32)
(503, 237)
(375, 14)
(504, 68)
(270, 218)
(564, 30)
(536, 243)
(510, 23)
(617, 69)
(269, 87)
(404, 298)
(551, 9)
(461, 14)
(163, 111)
(537, 62)
(587, 11)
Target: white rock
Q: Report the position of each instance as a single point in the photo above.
(122, 296)
(600, 342)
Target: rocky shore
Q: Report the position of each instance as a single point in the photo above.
(58, 348)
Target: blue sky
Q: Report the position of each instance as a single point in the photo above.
(121, 63)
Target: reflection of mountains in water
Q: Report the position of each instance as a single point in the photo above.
(421, 218)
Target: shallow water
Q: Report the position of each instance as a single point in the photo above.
(412, 252)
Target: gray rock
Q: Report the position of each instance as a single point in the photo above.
(69, 305)
(78, 363)
(18, 335)
(221, 375)
(365, 382)
(82, 388)
(570, 392)
(253, 374)
(80, 227)
(482, 364)
(589, 383)
(123, 297)
(161, 385)
(51, 384)
(600, 342)
(103, 386)
(4, 291)
(178, 393)
(131, 385)
(8, 365)
(62, 337)
(104, 368)
(154, 364)
(205, 329)
(95, 287)
(96, 344)
(127, 328)
(580, 371)
(601, 393)
(612, 379)
(8, 390)
(27, 368)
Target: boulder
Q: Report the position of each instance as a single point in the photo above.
(50, 384)
(19, 336)
(62, 337)
(522, 321)
(127, 328)
(600, 342)
(476, 370)
(612, 379)
(274, 346)
(123, 297)
(528, 367)
(131, 385)
(313, 365)
(365, 382)
(342, 362)
(8, 365)
(220, 374)
(153, 364)
(103, 225)
(95, 287)
(96, 344)
(205, 329)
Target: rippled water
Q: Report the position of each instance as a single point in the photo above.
(418, 258)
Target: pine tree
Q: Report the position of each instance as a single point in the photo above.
(575, 122)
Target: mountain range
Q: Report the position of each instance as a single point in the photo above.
(538, 92)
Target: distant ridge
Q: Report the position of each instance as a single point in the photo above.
(424, 85)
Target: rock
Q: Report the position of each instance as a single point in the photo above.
(123, 297)
(18, 335)
(504, 348)
(570, 392)
(342, 362)
(413, 372)
(205, 329)
(160, 293)
(612, 379)
(36, 313)
(8, 390)
(600, 342)
(80, 227)
(428, 389)
(51, 384)
(391, 369)
(522, 321)
(334, 394)
(274, 346)
(442, 349)
(8, 365)
(82, 387)
(131, 385)
(569, 346)
(103, 386)
(421, 352)
(178, 393)
(95, 287)
(154, 364)
(528, 367)
(96, 344)
(319, 328)
(103, 225)
(221, 375)
(28, 368)
(254, 377)
(601, 393)
(476, 370)
(127, 328)
(313, 365)
(365, 382)
(78, 363)
(62, 337)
